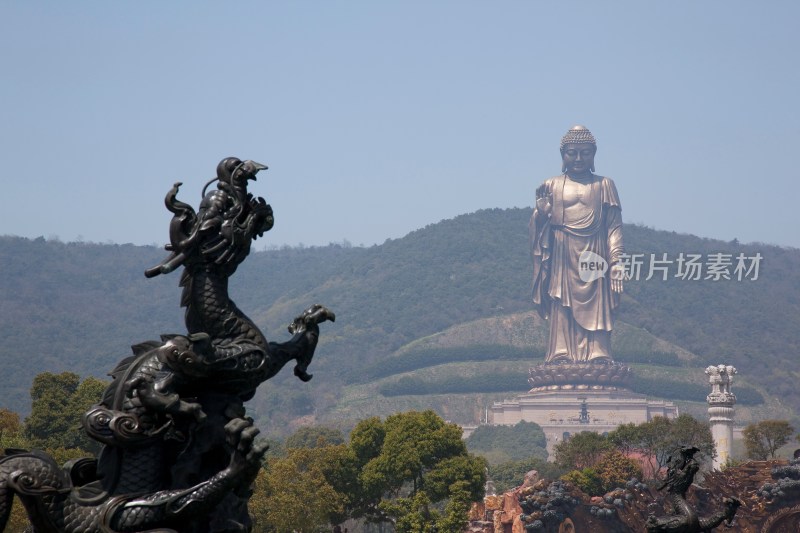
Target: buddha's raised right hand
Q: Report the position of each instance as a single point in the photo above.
(544, 202)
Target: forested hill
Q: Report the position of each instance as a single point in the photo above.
(80, 306)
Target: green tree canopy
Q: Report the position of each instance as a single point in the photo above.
(59, 401)
(511, 474)
(10, 424)
(411, 470)
(582, 450)
(314, 437)
(409, 461)
(613, 470)
(510, 443)
(762, 440)
(659, 438)
(298, 492)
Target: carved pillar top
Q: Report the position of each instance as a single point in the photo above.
(720, 377)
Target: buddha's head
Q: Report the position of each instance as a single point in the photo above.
(578, 147)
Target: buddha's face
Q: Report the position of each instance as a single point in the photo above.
(578, 158)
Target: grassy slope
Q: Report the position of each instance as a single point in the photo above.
(527, 331)
(361, 400)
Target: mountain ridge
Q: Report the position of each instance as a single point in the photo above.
(472, 267)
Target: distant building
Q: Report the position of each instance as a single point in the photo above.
(562, 413)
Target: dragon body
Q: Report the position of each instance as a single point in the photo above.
(56, 503)
(684, 519)
(177, 448)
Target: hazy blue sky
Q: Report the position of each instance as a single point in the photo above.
(377, 118)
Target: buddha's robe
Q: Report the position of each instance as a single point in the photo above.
(586, 216)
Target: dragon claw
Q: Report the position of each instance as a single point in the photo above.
(302, 374)
(241, 434)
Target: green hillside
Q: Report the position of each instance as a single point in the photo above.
(80, 306)
(450, 372)
(461, 391)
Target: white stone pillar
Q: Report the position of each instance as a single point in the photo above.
(720, 411)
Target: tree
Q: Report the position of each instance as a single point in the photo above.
(295, 493)
(413, 514)
(587, 480)
(659, 438)
(10, 423)
(468, 470)
(615, 469)
(258, 505)
(762, 440)
(366, 442)
(408, 463)
(49, 420)
(411, 470)
(649, 439)
(276, 447)
(455, 512)
(685, 429)
(512, 443)
(314, 437)
(629, 438)
(582, 450)
(59, 401)
(511, 474)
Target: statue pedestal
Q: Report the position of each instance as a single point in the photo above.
(574, 397)
(608, 375)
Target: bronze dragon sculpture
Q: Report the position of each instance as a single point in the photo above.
(681, 470)
(178, 452)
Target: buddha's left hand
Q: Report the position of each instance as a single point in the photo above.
(617, 275)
